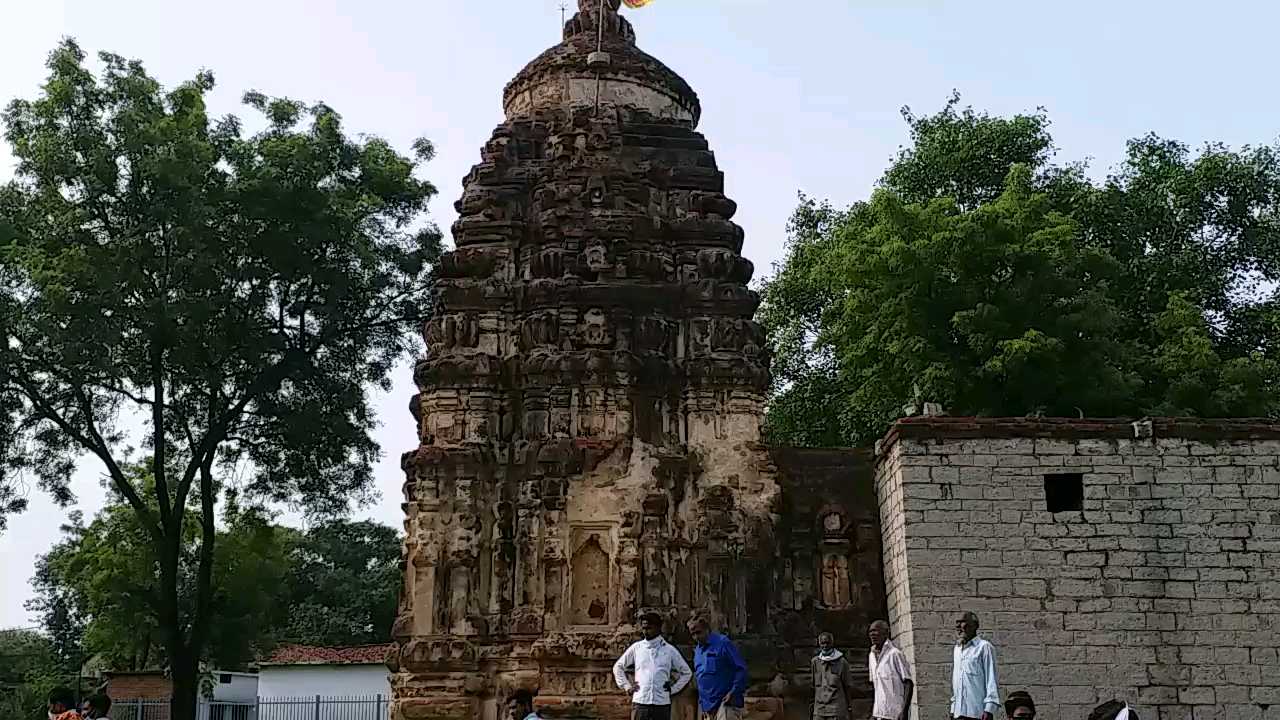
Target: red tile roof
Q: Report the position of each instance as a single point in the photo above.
(312, 655)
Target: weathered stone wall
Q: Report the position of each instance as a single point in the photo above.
(1163, 590)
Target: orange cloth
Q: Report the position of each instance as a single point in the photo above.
(68, 715)
(636, 3)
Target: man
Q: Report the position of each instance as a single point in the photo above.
(659, 671)
(832, 681)
(722, 673)
(62, 705)
(974, 694)
(98, 706)
(1020, 706)
(520, 707)
(891, 677)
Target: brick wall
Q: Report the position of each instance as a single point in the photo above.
(1163, 590)
(139, 686)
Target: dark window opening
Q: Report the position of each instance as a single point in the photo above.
(224, 679)
(1064, 492)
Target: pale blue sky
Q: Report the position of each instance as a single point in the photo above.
(797, 95)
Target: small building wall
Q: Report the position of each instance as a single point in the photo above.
(139, 685)
(1162, 590)
(302, 681)
(234, 687)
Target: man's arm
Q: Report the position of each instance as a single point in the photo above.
(955, 664)
(681, 668)
(621, 666)
(991, 702)
(908, 685)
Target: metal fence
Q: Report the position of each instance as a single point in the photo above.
(317, 707)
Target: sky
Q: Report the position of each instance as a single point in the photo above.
(797, 95)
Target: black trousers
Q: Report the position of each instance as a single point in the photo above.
(650, 712)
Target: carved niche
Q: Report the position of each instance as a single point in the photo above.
(589, 577)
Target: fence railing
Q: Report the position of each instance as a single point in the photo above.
(316, 707)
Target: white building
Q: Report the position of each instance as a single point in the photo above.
(302, 671)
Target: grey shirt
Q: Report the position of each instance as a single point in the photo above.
(831, 682)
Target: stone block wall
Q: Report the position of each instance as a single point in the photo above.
(1161, 589)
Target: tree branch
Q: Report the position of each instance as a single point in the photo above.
(93, 443)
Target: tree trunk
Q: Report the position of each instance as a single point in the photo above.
(186, 684)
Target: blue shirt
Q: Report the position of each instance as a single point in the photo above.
(720, 669)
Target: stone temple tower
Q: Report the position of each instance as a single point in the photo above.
(591, 398)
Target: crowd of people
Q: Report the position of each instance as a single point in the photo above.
(62, 706)
(652, 671)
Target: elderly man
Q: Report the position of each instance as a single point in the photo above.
(974, 693)
(891, 677)
(832, 681)
(659, 669)
(722, 673)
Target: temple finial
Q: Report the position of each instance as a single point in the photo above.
(590, 21)
(592, 6)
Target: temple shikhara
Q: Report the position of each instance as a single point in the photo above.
(590, 416)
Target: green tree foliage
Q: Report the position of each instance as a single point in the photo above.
(342, 585)
(30, 667)
(334, 584)
(983, 276)
(234, 293)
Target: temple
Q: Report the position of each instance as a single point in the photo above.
(590, 415)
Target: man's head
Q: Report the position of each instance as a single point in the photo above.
(61, 700)
(878, 633)
(966, 626)
(650, 625)
(700, 629)
(519, 705)
(99, 705)
(826, 641)
(1020, 706)
(1111, 710)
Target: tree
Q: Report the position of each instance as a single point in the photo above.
(232, 293)
(29, 669)
(335, 584)
(985, 277)
(342, 585)
(103, 578)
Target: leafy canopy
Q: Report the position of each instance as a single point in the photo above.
(334, 584)
(984, 277)
(178, 292)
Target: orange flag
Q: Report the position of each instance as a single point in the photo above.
(636, 3)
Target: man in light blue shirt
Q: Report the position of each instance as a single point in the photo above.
(974, 693)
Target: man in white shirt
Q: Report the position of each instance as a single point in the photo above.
(658, 669)
(974, 693)
(891, 676)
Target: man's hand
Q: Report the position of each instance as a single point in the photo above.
(667, 685)
(627, 690)
(986, 716)
(728, 699)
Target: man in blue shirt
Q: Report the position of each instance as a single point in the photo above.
(721, 673)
